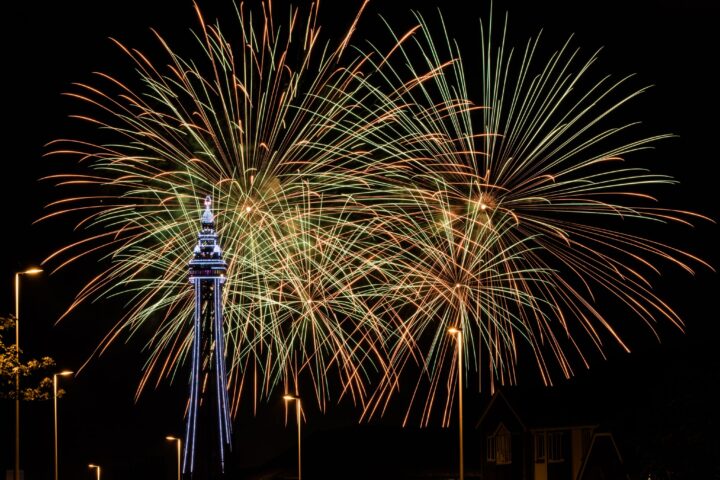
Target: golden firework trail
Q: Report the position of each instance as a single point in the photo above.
(368, 200)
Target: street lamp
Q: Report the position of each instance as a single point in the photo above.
(179, 448)
(298, 409)
(97, 470)
(55, 413)
(29, 271)
(457, 333)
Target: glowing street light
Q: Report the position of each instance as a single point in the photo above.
(179, 449)
(55, 413)
(30, 271)
(97, 470)
(298, 409)
(457, 333)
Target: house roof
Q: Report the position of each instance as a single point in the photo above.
(541, 408)
(497, 398)
(603, 459)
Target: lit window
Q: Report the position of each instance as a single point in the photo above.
(540, 447)
(491, 448)
(503, 447)
(499, 446)
(554, 447)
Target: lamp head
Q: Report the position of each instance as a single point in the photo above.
(32, 271)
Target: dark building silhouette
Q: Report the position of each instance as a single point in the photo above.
(545, 439)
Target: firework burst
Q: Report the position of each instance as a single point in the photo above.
(367, 203)
(249, 121)
(516, 216)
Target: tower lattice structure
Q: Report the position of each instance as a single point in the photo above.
(208, 428)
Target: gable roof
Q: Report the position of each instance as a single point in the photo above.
(498, 397)
(541, 408)
(603, 459)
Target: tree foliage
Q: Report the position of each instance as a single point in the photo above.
(35, 378)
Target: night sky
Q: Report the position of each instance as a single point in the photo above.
(658, 396)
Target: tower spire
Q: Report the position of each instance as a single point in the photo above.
(207, 216)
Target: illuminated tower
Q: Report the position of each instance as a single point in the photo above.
(207, 432)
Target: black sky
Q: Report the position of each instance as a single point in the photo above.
(662, 386)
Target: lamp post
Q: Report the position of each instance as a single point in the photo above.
(457, 333)
(55, 413)
(30, 271)
(97, 470)
(179, 449)
(298, 409)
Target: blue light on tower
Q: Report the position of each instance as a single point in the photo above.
(207, 274)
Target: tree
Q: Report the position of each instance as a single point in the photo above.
(35, 382)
